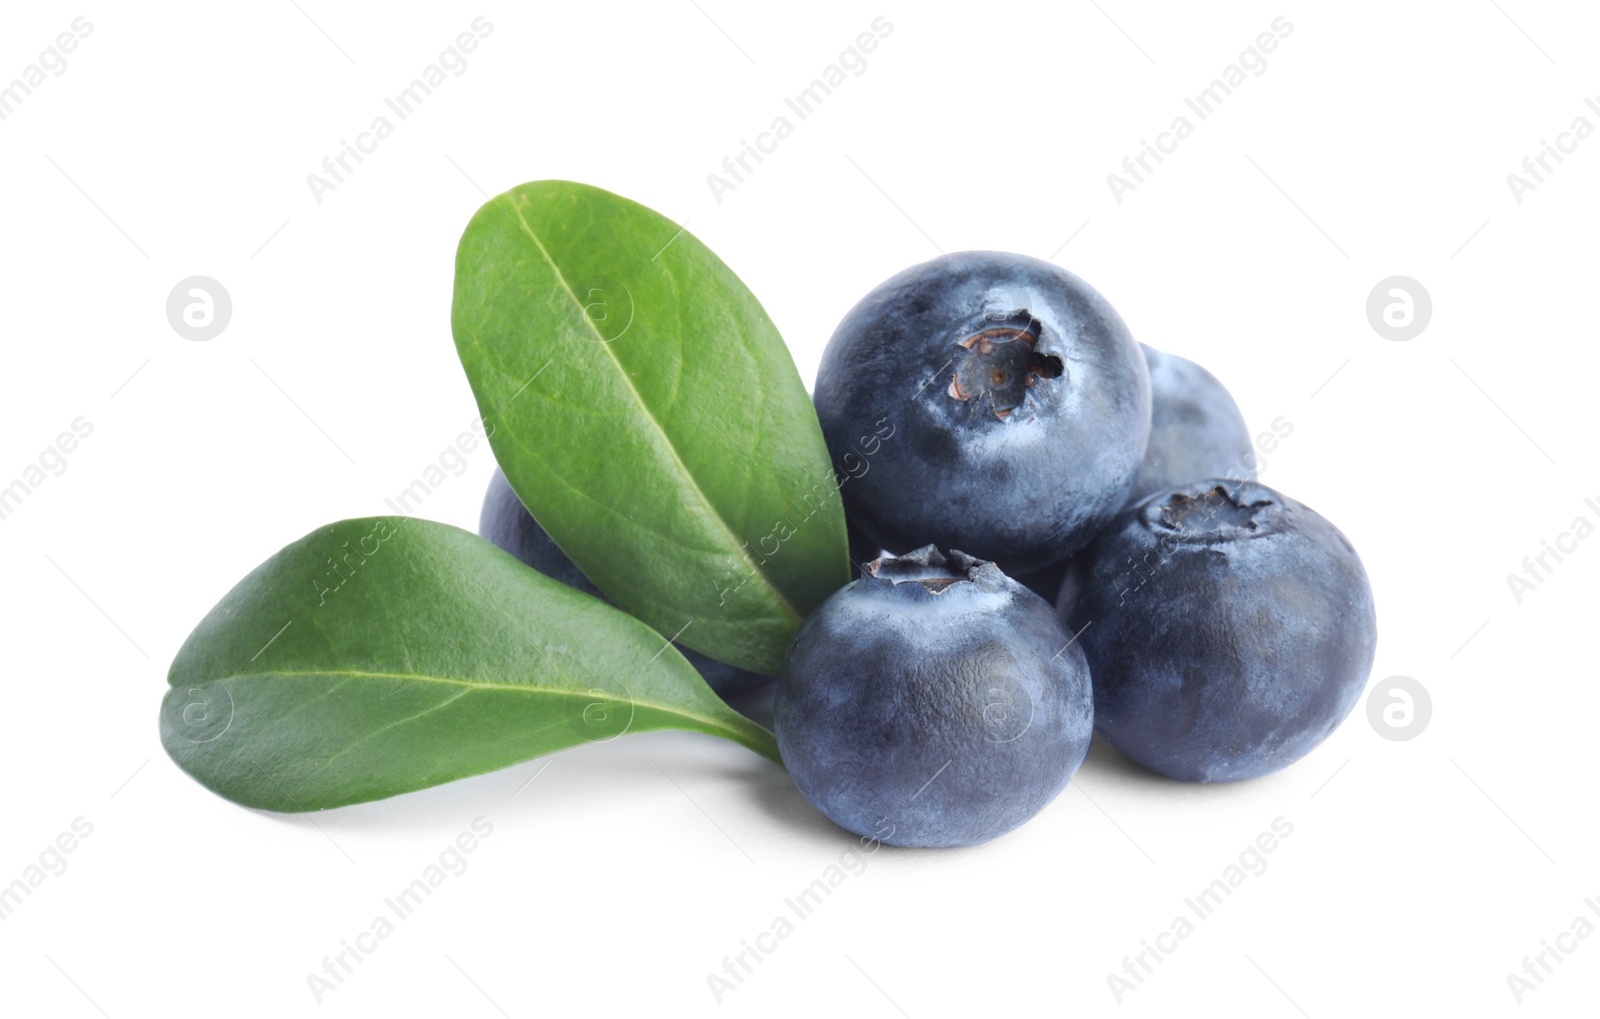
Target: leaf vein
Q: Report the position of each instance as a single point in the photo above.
(349, 675)
(396, 724)
(664, 442)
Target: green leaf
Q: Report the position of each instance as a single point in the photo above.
(374, 657)
(647, 412)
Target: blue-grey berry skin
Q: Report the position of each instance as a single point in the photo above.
(863, 550)
(506, 523)
(1230, 630)
(1196, 429)
(985, 401)
(1045, 583)
(933, 702)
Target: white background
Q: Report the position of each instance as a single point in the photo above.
(1376, 142)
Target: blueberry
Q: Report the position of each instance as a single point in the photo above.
(932, 702)
(984, 401)
(1196, 430)
(1230, 629)
(1045, 583)
(863, 550)
(506, 523)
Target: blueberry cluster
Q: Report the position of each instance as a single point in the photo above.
(1059, 532)
(1205, 625)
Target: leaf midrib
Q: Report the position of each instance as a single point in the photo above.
(526, 688)
(659, 430)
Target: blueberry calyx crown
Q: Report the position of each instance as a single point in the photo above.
(1002, 362)
(1213, 511)
(930, 571)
